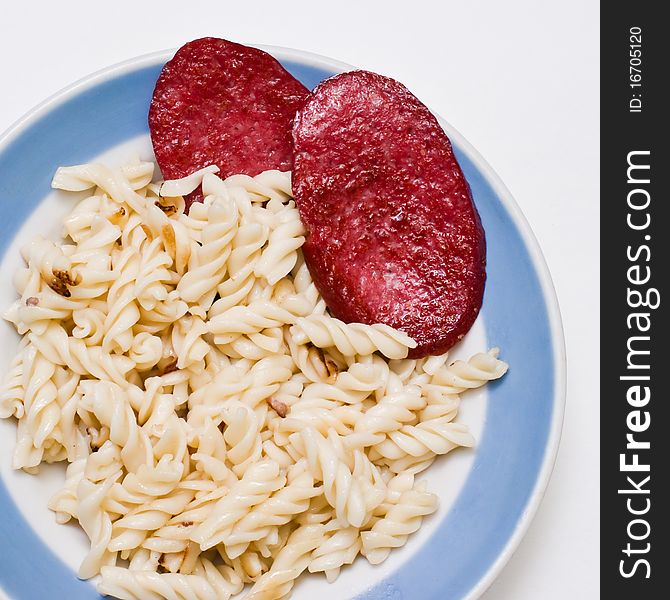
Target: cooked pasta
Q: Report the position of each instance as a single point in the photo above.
(220, 426)
(401, 520)
(352, 339)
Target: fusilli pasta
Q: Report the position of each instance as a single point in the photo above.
(221, 427)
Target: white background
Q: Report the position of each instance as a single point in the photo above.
(519, 79)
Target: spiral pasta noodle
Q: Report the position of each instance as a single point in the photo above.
(353, 338)
(208, 582)
(290, 562)
(221, 428)
(340, 549)
(281, 254)
(207, 264)
(258, 483)
(274, 512)
(402, 519)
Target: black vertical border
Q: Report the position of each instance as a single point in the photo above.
(623, 132)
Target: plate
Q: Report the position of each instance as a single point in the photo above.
(488, 495)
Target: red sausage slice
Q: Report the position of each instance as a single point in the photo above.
(394, 235)
(217, 102)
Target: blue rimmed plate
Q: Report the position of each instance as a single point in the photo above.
(488, 495)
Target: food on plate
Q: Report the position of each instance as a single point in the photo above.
(245, 388)
(393, 233)
(221, 428)
(221, 103)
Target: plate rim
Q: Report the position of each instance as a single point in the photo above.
(511, 206)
